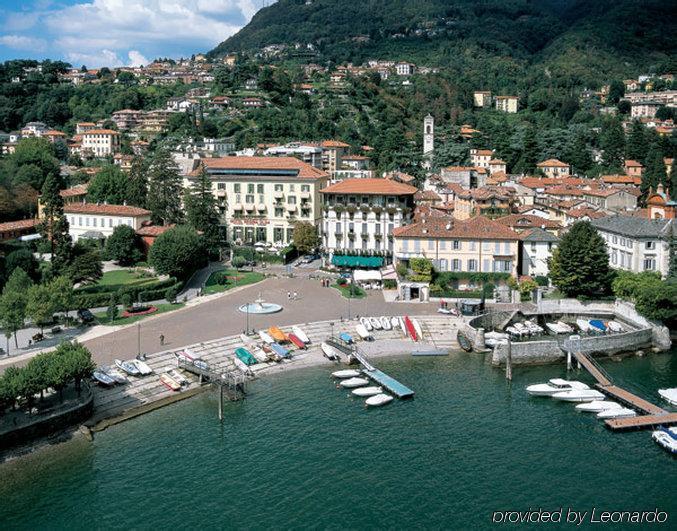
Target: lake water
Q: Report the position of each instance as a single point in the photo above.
(299, 453)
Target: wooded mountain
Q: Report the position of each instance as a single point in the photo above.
(496, 42)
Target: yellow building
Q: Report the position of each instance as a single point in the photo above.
(476, 245)
(262, 198)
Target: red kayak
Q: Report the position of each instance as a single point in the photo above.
(411, 330)
(295, 339)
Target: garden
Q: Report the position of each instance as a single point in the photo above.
(225, 279)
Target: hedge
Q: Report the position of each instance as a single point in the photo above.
(96, 300)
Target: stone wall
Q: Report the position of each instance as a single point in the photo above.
(612, 343)
(528, 353)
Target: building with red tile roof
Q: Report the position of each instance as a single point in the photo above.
(11, 230)
(98, 220)
(554, 168)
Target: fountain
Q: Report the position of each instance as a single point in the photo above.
(259, 306)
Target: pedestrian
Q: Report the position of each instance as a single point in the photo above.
(296, 296)
(289, 295)
(162, 340)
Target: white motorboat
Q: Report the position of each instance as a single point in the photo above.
(378, 400)
(522, 329)
(362, 332)
(598, 405)
(533, 327)
(375, 323)
(514, 331)
(566, 329)
(180, 378)
(368, 391)
(579, 395)
(244, 368)
(670, 395)
(417, 327)
(616, 413)
(354, 382)
(496, 335)
(346, 373)
(615, 326)
(330, 352)
(667, 438)
(554, 328)
(103, 378)
(583, 325)
(116, 375)
(365, 322)
(266, 337)
(555, 385)
(402, 326)
(300, 334)
(128, 367)
(385, 323)
(144, 369)
(259, 354)
(395, 322)
(247, 341)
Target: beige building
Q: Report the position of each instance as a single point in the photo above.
(92, 221)
(476, 245)
(507, 103)
(262, 198)
(332, 154)
(554, 168)
(482, 98)
(100, 142)
(480, 157)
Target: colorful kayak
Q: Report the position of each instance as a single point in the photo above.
(298, 332)
(346, 338)
(169, 382)
(280, 350)
(598, 324)
(411, 330)
(277, 334)
(245, 356)
(293, 338)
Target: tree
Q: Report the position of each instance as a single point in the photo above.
(616, 92)
(178, 252)
(305, 237)
(112, 310)
(85, 266)
(41, 305)
(13, 303)
(109, 185)
(54, 227)
(672, 183)
(529, 158)
(654, 171)
(24, 259)
(238, 261)
(202, 213)
(578, 155)
(171, 293)
(32, 162)
(122, 246)
(636, 146)
(164, 189)
(580, 265)
(613, 144)
(137, 187)
(63, 295)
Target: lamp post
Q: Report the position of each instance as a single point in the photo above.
(138, 341)
(246, 330)
(331, 324)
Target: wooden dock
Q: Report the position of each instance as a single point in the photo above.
(653, 414)
(392, 385)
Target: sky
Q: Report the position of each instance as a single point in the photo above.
(110, 33)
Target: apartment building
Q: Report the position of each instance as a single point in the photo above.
(97, 221)
(554, 168)
(507, 103)
(100, 142)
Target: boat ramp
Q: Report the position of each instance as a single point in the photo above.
(381, 378)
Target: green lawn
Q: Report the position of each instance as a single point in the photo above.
(226, 279)
(356, 293)
(161, 308)
(114, 280)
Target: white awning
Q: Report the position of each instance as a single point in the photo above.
(363, 275)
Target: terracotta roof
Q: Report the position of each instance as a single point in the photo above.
(262, 164)
(563, 190)
(528, 220)
(334, 144)
(633, 164)
(552, 163)
(484, 152)
(606, 192)
(496, 161)
(78, 189)
(374, 186)
(9, 226)
(153, 230)
(569, 203)
(100, 132)
(53, 132)
(480, 194)
(476, 228)
(107, 210)
(585, 212)
(426, 195)
(621, 179)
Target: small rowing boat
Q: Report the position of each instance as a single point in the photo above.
(127, 367)
(346, 373)
(103, 378)
(417, 327)
(117, 376)
(266, 337)
(375, 323)
(280, 350)
(411, 330)
(245, 356)
(395, 322)
(178, 377)
(464, 342)
(277, 334)
(259, 354)
(298, 332)
(615, 326)
(144, 369)
(367, 325)
(169, 382)
(296, 340)
(368, 391)
(331, 353)
(583, 325)
(598, 325)
(378, 400)
(385, 323)
(362, 332)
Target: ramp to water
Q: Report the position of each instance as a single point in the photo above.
(392, 385)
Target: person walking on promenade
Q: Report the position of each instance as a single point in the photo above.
(162, 340)
(295, 296)
(289, 295)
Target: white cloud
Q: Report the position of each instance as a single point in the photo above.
(136, 58)
(92, 60)
(22, 42)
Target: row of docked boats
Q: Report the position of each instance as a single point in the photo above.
(408, 326)
(524, 329)
(109, 376)
(598, 326)
(353, 379)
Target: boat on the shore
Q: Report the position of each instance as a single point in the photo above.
(669, 395)
(362, 332)
(617, 413)
(201, 364)
(378, 400)
(385, 323)
(395, 322)
(280, 350)
(242, 366)
(375, 323)
(296, 340)
(598, 325)
(598, 405)
(260, 354)
(403, 326)
(566, 328)
(464, 342)
(180, 378)
(169, 382)
(555, 328)
(367, 325)
(266, 337)
(555, 385)
(331, 353)
(144, 369)
(409, 327)
(277, 334)
(298, 332)
(615, 326)
(247, 341)
(666, 438)
(346, 338)
(102, 378)
(417, 327)
(513, 331)
(583, 325)
(579, 395)
(353, 382)
(367, 391)
(346, 373)
(245, 356)
(127, 367)
(115, 374)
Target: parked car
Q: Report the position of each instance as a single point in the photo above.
(86, 316)
(310, 258)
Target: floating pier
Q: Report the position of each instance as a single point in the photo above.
(653, 414)
(392, 385)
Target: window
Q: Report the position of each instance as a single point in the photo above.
(238, 199)
(443, 245)
(614, 257)
(250, 188)
(278, 234)
(497, 248)
(278, 188)
(506, 248)
(377, 229)
(405, 245)
(262, 199)
(472, 246)
(649, 264)
(94, 222)
(291, 200)
(650, 245)
(365, 229)
(259, 188)
(456, 245)
(364, 216)
(472, 265)
(628, 243)
(80, 221)
(549, 246)
(455, 264)
(614, 239)
(110, 222)
(417, 245)
(236, 188)
(279, 212)
(220, 186)
(249, 199)
(305, 188)
(378, 216)
(87, 222)
(533, 247)
(431, 245)
(292, 187)
(622, 242)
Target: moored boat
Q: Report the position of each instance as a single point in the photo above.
(346, 373)
(296, 340)
(385, 323)
(362, 332)
(417, 327)
(169, 382)
(598, 325)
(277, 334)
(180, 378)
(367, 325)
(598, 405)
(346, 338)
(279, 349)
(375, 323)
(583, 325)
(127, 367)
(298, 332)
(331, 353)
(464, 342)
(669, 395)
(579, 395)
(378, 400)
(143, 367)
(617, 413)
(245, 356)
(266, 337)
(411, 330)
(555, 385)
(667, 438)
(615, 326)
(353, 382)
(103, 378)
(367, 391)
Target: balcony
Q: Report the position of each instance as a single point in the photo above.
(237, 206)
(291, 208)
(278, 195)
(249, 207)
(260, 207)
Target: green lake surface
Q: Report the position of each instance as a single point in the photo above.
(299, 453)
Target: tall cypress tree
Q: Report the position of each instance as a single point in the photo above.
(672, 182)
(654, 172)
(637, 145)
(54, 226)
(137, 189)
(578, 154)
(164, 189)
(529, 158)
(201, 211)
(613, 144)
